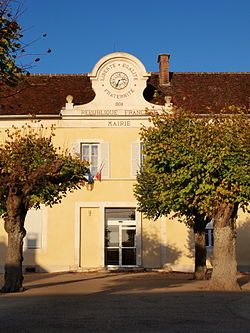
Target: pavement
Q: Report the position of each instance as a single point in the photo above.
(123, 302)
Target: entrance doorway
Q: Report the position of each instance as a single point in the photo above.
(120, 237)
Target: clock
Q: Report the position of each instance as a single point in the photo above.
(119, 80)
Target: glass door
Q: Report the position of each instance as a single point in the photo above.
(127, 246)
(120, 242)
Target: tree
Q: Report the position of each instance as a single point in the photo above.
(12, 49)
(199, 167)
(156, 193)
(32, 171)
(156, 199)
(10, 46)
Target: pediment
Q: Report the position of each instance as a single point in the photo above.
(118, 80)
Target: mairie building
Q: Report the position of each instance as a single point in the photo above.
(98, 116)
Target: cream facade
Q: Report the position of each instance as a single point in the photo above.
(100, 228)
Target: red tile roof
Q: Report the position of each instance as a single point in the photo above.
(44, 94)
(201, 92)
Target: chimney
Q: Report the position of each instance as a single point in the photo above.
(163, 60)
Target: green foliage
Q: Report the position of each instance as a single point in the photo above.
(10, 46)
(193, 164)
(33, 169)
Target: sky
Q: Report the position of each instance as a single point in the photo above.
(200, 36)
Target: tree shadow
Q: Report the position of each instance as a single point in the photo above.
(65, 278)
(29, 261)
(242, 246)
(191, 248)
(111, 282)
(244, 280)
(190, 244)
(156, 254)
(30, 266)
(153, 251)
(242, 251)
(3, 249)
(122, 303)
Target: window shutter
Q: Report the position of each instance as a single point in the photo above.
(33, 226)
(104, 159)
(135, 158)
(75, 148)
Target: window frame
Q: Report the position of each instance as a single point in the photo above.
(123, 223)
(209, 229)
(103, 154)
(90, 145)
(30, 219)
(137, 158)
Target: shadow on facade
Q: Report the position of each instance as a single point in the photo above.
(29, 263)
(155, 254)
(190, 244)
(191, 249)
(242, 247)
(3, 249)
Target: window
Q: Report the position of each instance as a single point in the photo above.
(96, 152)
(137, 157)
(210, 234)
(34, 225)
(142, 156)
(90, 152)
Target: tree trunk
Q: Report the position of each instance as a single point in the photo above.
(14, 226)
(224, 275)
(200, 249)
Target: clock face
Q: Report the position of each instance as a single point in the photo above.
(119, 80)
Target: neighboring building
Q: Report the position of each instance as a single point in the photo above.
(99, 115)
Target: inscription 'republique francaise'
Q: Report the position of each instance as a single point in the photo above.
(114, 113)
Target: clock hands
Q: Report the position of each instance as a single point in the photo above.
(119, 80)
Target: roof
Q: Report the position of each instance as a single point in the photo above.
(201, 92)
(44, 94)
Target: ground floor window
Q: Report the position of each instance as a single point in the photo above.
(210, 234)
(120, 237)
(34, 229)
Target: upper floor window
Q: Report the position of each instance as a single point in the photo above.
(137, 157)
(142, 155)
(96, 152)
(90, 153)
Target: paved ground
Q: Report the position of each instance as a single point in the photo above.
(120, 302)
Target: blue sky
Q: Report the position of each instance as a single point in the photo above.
(211, 35)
